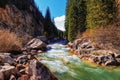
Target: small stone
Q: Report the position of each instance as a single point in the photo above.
(39, 51)
(22, 71)
(20, 66)
(24, 77)
(1, 76)
(22, 59)
(12, 77)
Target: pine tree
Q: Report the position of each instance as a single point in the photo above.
(49, 27)
(81, 18)
(72, 20)
(67, 19)
(75, 18)
(100, 13)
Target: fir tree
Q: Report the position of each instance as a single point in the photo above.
(100, 13)
(75, 18)
(49, 27)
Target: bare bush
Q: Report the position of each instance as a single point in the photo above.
(105, 38)
(9, 41)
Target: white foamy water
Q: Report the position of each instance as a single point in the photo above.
(69, 67)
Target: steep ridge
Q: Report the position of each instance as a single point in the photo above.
(21, 17)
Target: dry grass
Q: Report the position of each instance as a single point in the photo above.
(105, 38)
(9, 41)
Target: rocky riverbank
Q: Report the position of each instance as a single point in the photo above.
(25, 66)
(87, 50)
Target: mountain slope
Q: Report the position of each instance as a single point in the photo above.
(21, 17)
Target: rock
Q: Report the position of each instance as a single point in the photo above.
(12, 77)
(36, 44)
(8, 71)
(70, 44)
(112, 63)
(7, 54)
(22, 71)
(20, 66)
(22, 59)
(111, 56)
(95, 59)
(29, 56)
(118, 60)
(33, 52)
(6, 59)
(117, 55)
(43, 38)
(1, 76)
(39, 51)
(39, 71)
(6, 64)
(24, 77)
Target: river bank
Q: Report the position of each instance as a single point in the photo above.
(86, 50)
(24, 65)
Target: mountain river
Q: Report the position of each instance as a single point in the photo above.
(67, 66)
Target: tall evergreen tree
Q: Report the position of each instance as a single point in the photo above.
(100, 13)
(81, 16)
(75, 18)
(67, 19)
(49, 27)
(72, 20)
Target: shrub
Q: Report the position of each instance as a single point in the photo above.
(9, 41)
(105, 38)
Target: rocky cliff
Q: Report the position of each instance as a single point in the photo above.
(21, 17)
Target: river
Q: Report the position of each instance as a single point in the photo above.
(67, 66)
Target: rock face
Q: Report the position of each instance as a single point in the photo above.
(21, 17)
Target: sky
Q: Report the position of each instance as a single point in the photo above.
(57, 10)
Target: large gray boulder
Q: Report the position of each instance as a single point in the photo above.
(112, 63)
(22, 59)
(6, 59)
(39, 72)
(6, 72)
(36, 44)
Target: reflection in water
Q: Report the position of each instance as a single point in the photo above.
(70, 67)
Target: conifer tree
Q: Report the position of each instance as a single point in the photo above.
(100, 13)
(75, 18)
(72, 20)
(49, 27)
(67, 19)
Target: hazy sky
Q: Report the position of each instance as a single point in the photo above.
(57, 9)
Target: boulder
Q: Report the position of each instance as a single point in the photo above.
(117, 55)
(24, 77)
(22, 59)
(39, 72)
(95, 59)
(112, 63)
(7, 71)
(12, 77)
(36, 44)
(6, 59)
(70, 44)
(1, 76)
(43, 38)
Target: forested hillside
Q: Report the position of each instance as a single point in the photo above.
(84, 15)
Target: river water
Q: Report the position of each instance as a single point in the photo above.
(67, 66)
